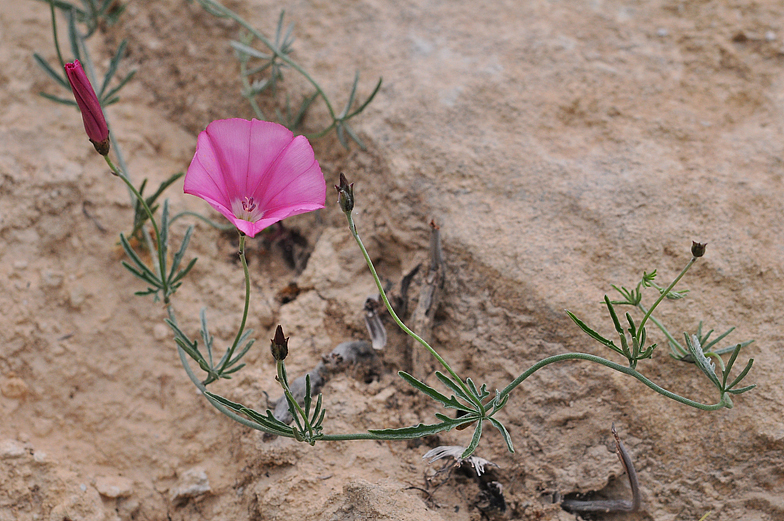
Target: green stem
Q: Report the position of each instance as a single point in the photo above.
(285, 385)
(612, 365)
(272, 47)
(664, 293)
(247, 304)
(138, 196)
(352, 227)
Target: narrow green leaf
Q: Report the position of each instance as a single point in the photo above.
(57, 99)
(308, 398)
(353, 136)
(729, 365)
(368, 100)
(351, 96)
(341, 135)
(729, 349)
(447, 402)
(268, 423)
(314, 420)
(50, 71)
(181, 252)
(453, 386)
(241, 353)
(504, 433)
(137, 260)
(418, 431)
(73, 35)
(231, 371)
(143, 276)
(474, 441)
(112, 70)
(742, 374)
(250, 51)
(163, 238)
(742, 389)
(111, 96)
(184, 272)
(593, 334)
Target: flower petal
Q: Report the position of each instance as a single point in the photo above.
(260, 163)
(294, 176)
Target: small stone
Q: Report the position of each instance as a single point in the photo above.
(13, 387)
(10, 449)
(193, 483)
(77, 296)
(770, 36)
(113, 486)
(662, 32)
(20, 265)
(51, 279)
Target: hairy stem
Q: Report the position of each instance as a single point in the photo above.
(664, 293)
(138, 196)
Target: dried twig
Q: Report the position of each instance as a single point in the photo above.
(611, 505)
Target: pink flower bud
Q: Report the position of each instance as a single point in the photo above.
(92, 114)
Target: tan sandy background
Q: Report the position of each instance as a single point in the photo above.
(561, 146)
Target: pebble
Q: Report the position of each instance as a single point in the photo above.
(114, 486)
(51, 279)
(10, 449)
(13, 387)
(192, 483)
(662, 32)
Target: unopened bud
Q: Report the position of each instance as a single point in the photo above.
(92, 114)
(697, 249)
(345, 194)
(279, 345)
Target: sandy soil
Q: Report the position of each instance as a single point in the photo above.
(561, 146)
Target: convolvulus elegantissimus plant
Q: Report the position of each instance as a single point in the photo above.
(256, 173)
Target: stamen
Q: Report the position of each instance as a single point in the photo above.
(248, 205)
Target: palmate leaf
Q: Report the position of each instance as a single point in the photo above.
(450, 402)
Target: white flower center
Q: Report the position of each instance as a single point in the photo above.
(246, 209)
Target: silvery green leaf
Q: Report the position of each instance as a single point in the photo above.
(705, 365)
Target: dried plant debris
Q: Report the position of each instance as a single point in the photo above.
(375, 328)
(455, 451)
(491, 494)
(423, 316)
(611, 505)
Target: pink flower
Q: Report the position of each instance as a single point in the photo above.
(92, 114)
(255, 173)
